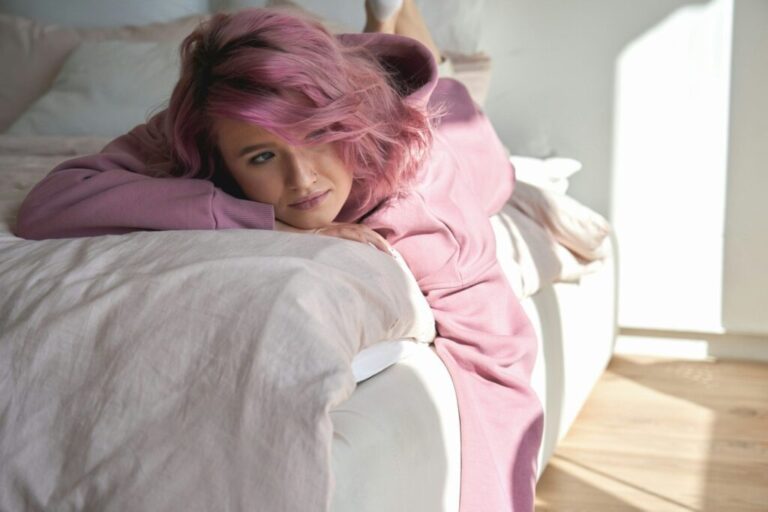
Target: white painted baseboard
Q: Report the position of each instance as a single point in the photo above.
(692, 345)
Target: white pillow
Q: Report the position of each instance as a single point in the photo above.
(104, 88)
(549, 173)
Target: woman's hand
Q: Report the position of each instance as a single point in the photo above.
(350, 231)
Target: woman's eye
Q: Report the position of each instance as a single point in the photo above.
(262, 157)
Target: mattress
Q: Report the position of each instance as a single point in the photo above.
(396, 443)
(396, 440)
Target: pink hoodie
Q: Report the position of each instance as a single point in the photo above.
(441, 229)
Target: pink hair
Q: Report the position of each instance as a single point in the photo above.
(290, 76)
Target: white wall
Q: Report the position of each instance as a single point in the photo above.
(745, 305)
(664, 103)
(552, 91)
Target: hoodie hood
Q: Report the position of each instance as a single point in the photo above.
(414, 65)
(416, 72)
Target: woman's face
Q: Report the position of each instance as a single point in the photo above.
(270, 170)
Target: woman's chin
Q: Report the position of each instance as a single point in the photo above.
(307, 223)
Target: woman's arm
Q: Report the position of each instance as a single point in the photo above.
(112, 193)
(108, 194)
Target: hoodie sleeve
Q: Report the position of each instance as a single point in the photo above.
(112, 193)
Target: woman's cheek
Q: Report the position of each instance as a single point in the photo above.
(262, 191)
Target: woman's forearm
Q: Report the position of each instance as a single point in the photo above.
(108, 193)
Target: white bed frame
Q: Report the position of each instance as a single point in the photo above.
(396, 440)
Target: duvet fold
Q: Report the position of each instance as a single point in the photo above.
(184, 370)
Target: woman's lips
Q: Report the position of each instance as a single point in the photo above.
(314, 200)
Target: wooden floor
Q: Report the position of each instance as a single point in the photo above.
(665, 435)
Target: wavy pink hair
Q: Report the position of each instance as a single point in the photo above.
(292, 77)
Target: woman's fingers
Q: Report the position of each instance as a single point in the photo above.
(349, 231)
(356, 232)
(380, 244)
(365, 234)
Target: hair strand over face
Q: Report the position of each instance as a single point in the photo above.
(290, 76)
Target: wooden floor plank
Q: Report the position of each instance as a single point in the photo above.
(666, 435)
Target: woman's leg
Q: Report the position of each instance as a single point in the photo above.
(401, 17)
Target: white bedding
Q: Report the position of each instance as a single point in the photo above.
(396, 441)
(123, 364)
(207, 361)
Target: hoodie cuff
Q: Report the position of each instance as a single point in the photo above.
(233, 213)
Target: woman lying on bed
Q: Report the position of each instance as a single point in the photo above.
(277, 124)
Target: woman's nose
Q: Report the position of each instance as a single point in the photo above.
(302, 174)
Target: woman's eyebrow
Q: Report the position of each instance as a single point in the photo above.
(251, 148)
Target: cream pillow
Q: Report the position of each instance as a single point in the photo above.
(104, 88)
(32, 53)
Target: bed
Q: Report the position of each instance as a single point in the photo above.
(136, 371)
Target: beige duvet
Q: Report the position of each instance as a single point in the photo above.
(181, 370)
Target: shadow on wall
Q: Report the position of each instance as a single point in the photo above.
(553, 86)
